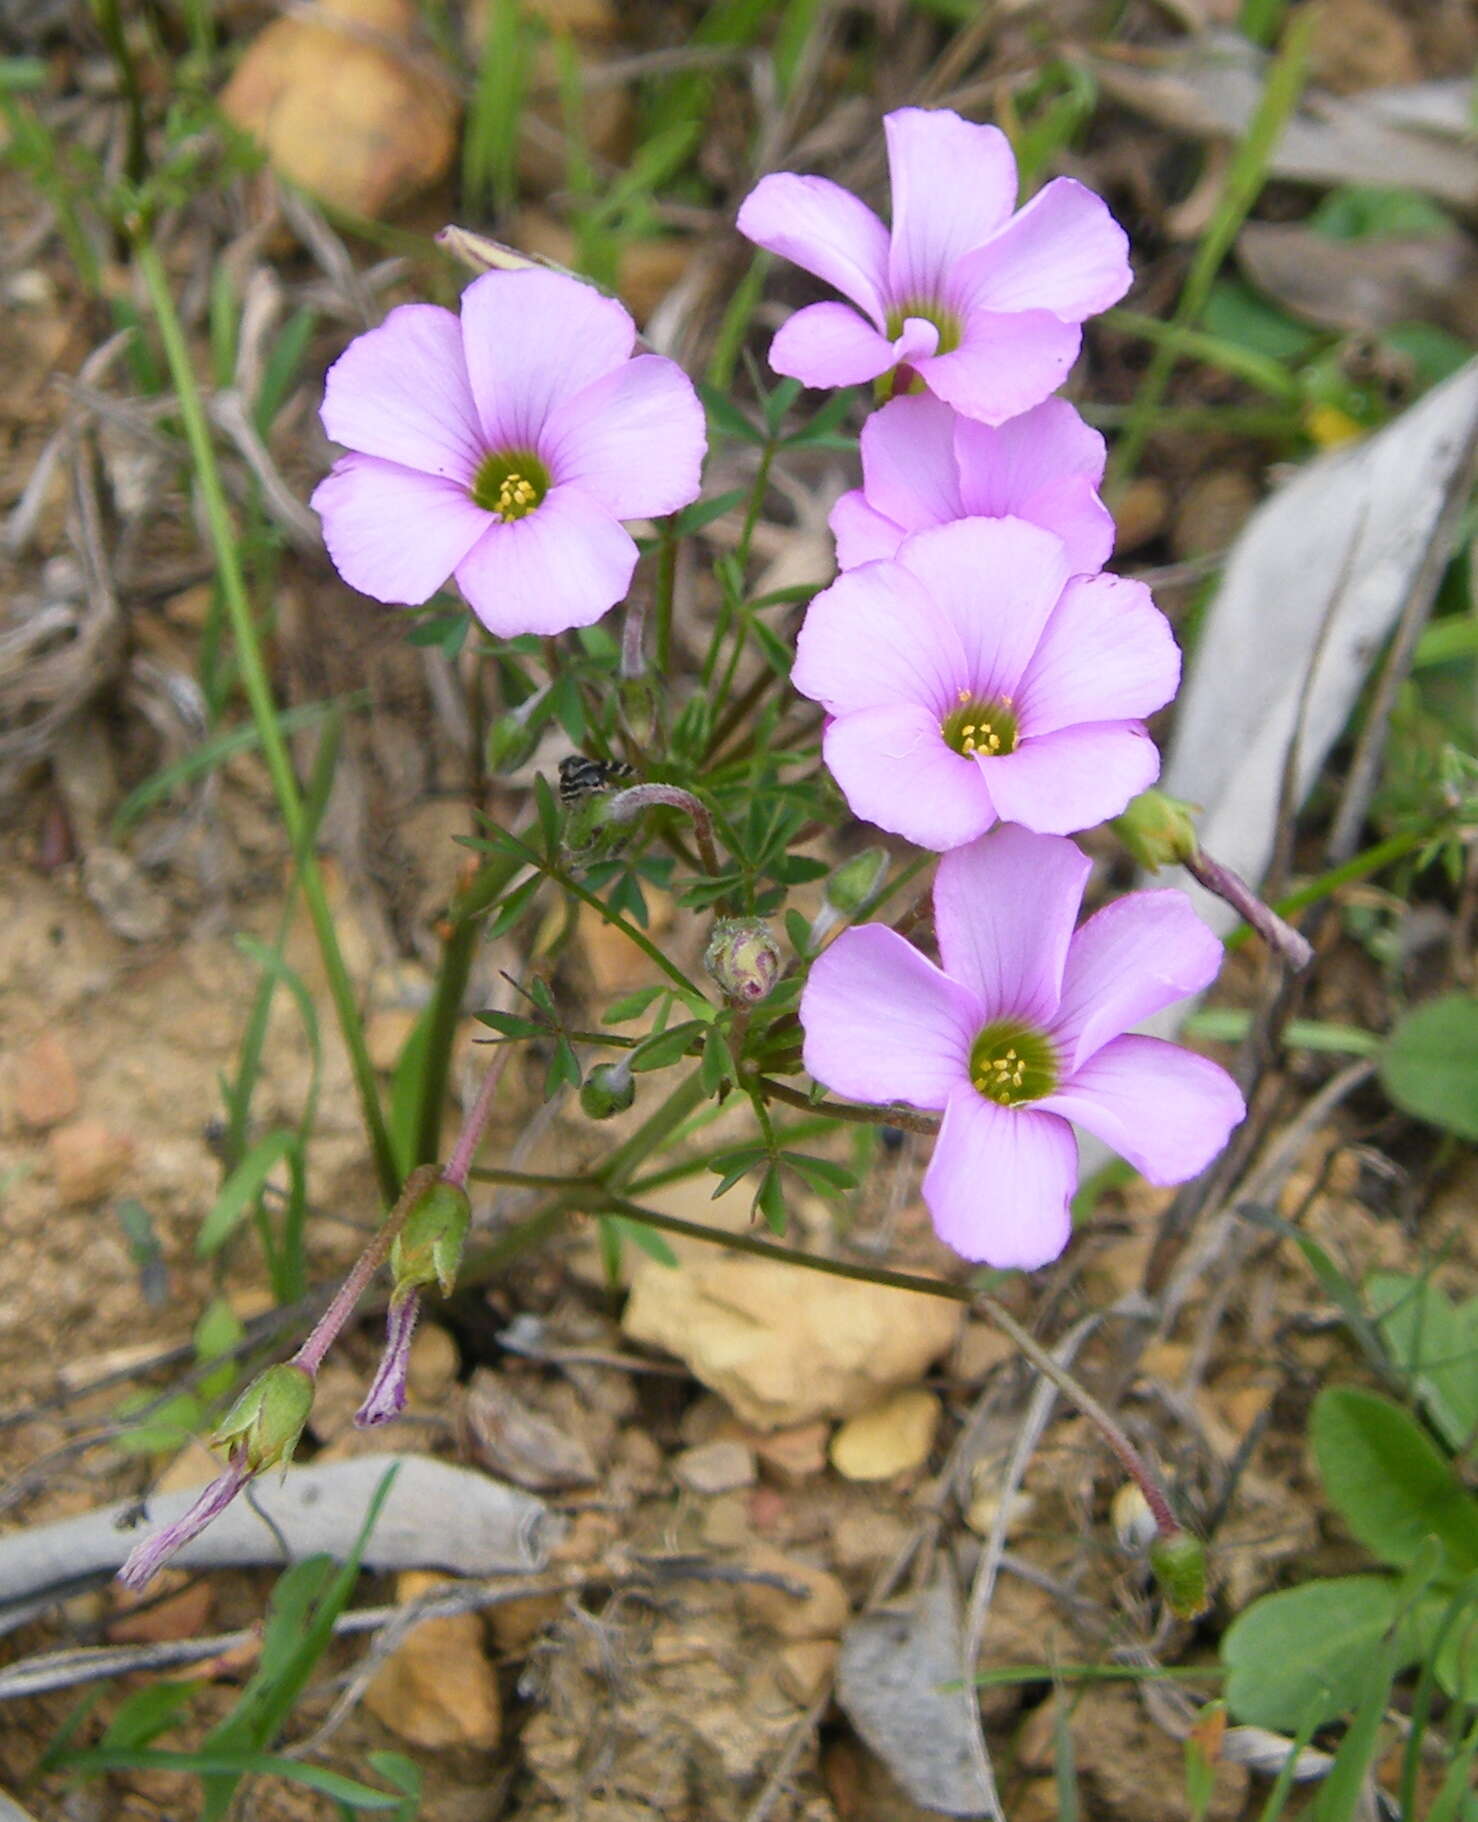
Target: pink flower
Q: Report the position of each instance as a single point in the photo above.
(386, 1397)
(970, 680)
(982, 301)
(923, 464)
(505, 448)
(1021, 1031)
(150, 1554)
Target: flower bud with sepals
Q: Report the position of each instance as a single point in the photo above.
(1158, 829)
(1178, 1562)
(609, 1089)
(266, 1422)
(846, 892)
(428, 1248)
(744, 958)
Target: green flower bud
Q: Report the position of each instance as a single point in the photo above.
(511, 739)
(1178, 1563)
(854, 882)
(1157, 830)
(428, 1248)
(266, 1421)
(743, 958)
(608, 1089)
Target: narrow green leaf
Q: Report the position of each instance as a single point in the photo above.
(770, 1201)
(631, 1005)
(240, 1191)
(666, 1047)
(645, 1239)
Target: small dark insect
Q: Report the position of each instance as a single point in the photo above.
(581, 777)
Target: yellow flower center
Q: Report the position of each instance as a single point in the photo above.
(510, 485)
(1011, 1064)
(979, 728)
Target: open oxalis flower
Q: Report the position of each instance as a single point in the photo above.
(505, 448)
(981, 301)
(923, 464)
(971, 681)
(1024, 1029)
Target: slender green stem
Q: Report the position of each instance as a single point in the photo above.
(325, 1331)
(526, 1179)
(687, 1096)
(901, 1117)
(1130, 1459)
(600, 1201)
(562, 877)
(464, 920)
(258, 688)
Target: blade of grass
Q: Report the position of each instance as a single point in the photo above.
(237, 1095)
(308, 1599)
(1245, 179)
(258, 689)
(216, 751)
(237, 1766)
(490, 143)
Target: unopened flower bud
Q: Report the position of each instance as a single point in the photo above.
(1179, 1566)
(386, 1397)
(608, 1089)
(743, 958)
(1158, 830)
(265, 1424)
(1133, 1521)
(512, 737)
(845, 893)
(853, 883)
(428, 1248)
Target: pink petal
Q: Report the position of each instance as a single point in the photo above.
(954, 185)
(830, 345)
(1164, 1109)
(1063, 252)
(996, 582)
(874, 639)
(533, 339)
(1107, 654)
(1075, 777)
(401, 392)
(825, 230)
(916, 341)
(150, 1554)
(633, 440)
(895, 770)
(394, 533)
(1005, 363)
(1005, 464)
(883, 1024)
(1071, 510)
(1004, 910)
(562, 566)
(1131, 959)
(909, 471)
(1000, 1182)
(385, 1398)
(862, 535)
